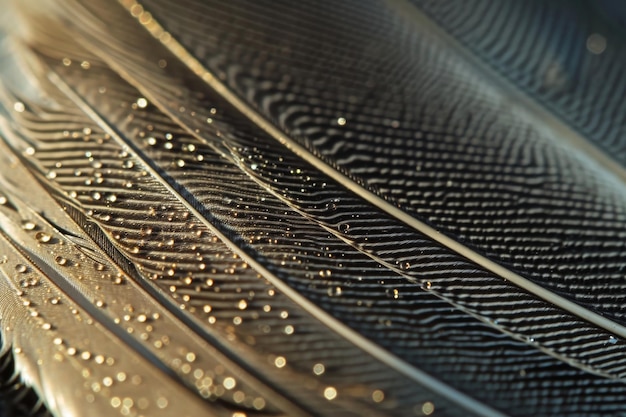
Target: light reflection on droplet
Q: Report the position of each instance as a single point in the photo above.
(330, 393)
(319, 369)
(43, 237)
(428, 408)
(28, 225)
(378, 396)
(280, 362)
(162, 402)
(229, 383)
(596, 43)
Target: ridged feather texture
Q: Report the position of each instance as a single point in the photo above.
(312, 208)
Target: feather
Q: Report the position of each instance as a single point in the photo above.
(302, 209)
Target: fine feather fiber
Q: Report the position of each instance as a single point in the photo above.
(251, 208)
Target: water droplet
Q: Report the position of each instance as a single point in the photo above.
(60, 260)
(428, 408)
(258, 403)
(19, 107)
(28, 225)
(325, 273)
(20, 268)
(96, 195)
(43, 237)
(142, 103)
(319, 369)
(32, 282)
(330, 393)
(612, 340)
(229, 383)
(280, 362)
(378, 396)
(596, 43)
(344, 227)
(334, 292)
(341, 121)
(243, 304)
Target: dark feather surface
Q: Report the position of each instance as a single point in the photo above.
(280, 208)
